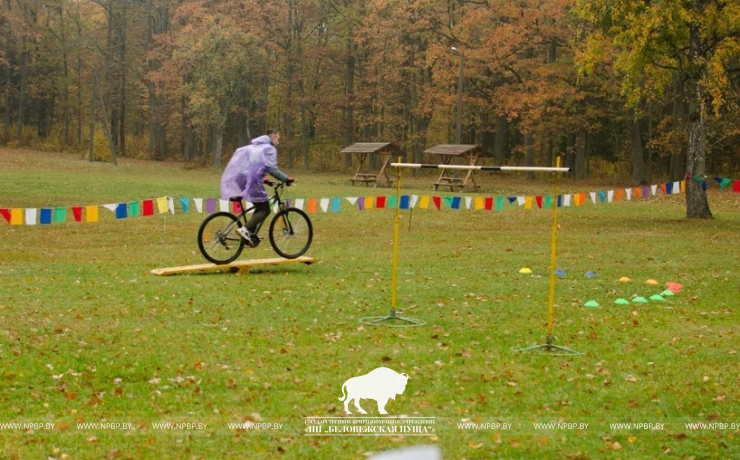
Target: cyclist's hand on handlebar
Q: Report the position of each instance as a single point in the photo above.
(289, 181)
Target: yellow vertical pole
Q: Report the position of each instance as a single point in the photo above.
(396, 237)
(553, 252)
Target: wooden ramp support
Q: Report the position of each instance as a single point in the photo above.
(240, 266)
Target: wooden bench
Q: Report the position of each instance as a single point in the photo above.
(446, 153)
(361, 150)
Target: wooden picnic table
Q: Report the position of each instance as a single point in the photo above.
(361, 150)
(446, 153)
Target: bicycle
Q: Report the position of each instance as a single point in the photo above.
(291, 231)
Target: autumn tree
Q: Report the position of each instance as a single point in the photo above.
(661, 42)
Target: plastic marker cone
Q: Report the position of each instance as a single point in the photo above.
(591, 303)
(657, 297)
(624, 279)
(621, 302)
(525, 270)
(639, 300)
(674, 287)
(667, 293)
(651, 282)
(590, 274)
(560, 272)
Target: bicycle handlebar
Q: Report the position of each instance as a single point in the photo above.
(277, 184)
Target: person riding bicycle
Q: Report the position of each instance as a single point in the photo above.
(245, 175)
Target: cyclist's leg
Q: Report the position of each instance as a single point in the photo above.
(261, 211)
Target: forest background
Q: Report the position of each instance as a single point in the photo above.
(643, 90)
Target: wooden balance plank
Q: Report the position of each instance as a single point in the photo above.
(242, 266)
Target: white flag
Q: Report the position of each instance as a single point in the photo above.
(31, 216)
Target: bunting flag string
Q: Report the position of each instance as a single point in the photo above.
(162, 205)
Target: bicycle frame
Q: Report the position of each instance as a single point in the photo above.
(274, 199)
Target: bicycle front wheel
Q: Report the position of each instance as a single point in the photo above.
(291, 233)
(218, 240)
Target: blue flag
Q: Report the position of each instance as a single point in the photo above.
(45, 217)
(121, 211)
(404, 202)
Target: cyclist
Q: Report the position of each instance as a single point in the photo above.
(245, 175)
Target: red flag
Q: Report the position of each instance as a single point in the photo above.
(489, 203)
(6, 214)
(662, 187)
(380, 202)
(77, 213)
(437, 202)
(148, 207)
(539, 201)
(736, 186)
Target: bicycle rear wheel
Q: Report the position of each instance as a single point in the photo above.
(218, 240)
(291, 233)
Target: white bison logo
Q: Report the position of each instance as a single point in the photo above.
(381, 385)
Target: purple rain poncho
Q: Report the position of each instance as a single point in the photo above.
(246, 170)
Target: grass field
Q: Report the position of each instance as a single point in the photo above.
(88, 336)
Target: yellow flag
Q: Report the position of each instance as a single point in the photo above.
(162, 205)
(528, 202)
(16, 216)
(91, 213)
(424, 202)
(683, 186)
(479, 203)
(369, 202)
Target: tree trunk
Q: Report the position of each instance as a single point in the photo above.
(92, 123)
(638, 156)
(529, 155)
(697, 206)
(122, 79)
(157, 138)
(581, 153)
(218, 141)
(305, 128)
(65, 65)
(8, 102)
(22, 92)
(349, 114)
(502, 140)
(79, 84)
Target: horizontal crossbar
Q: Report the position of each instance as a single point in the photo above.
(481, 168)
